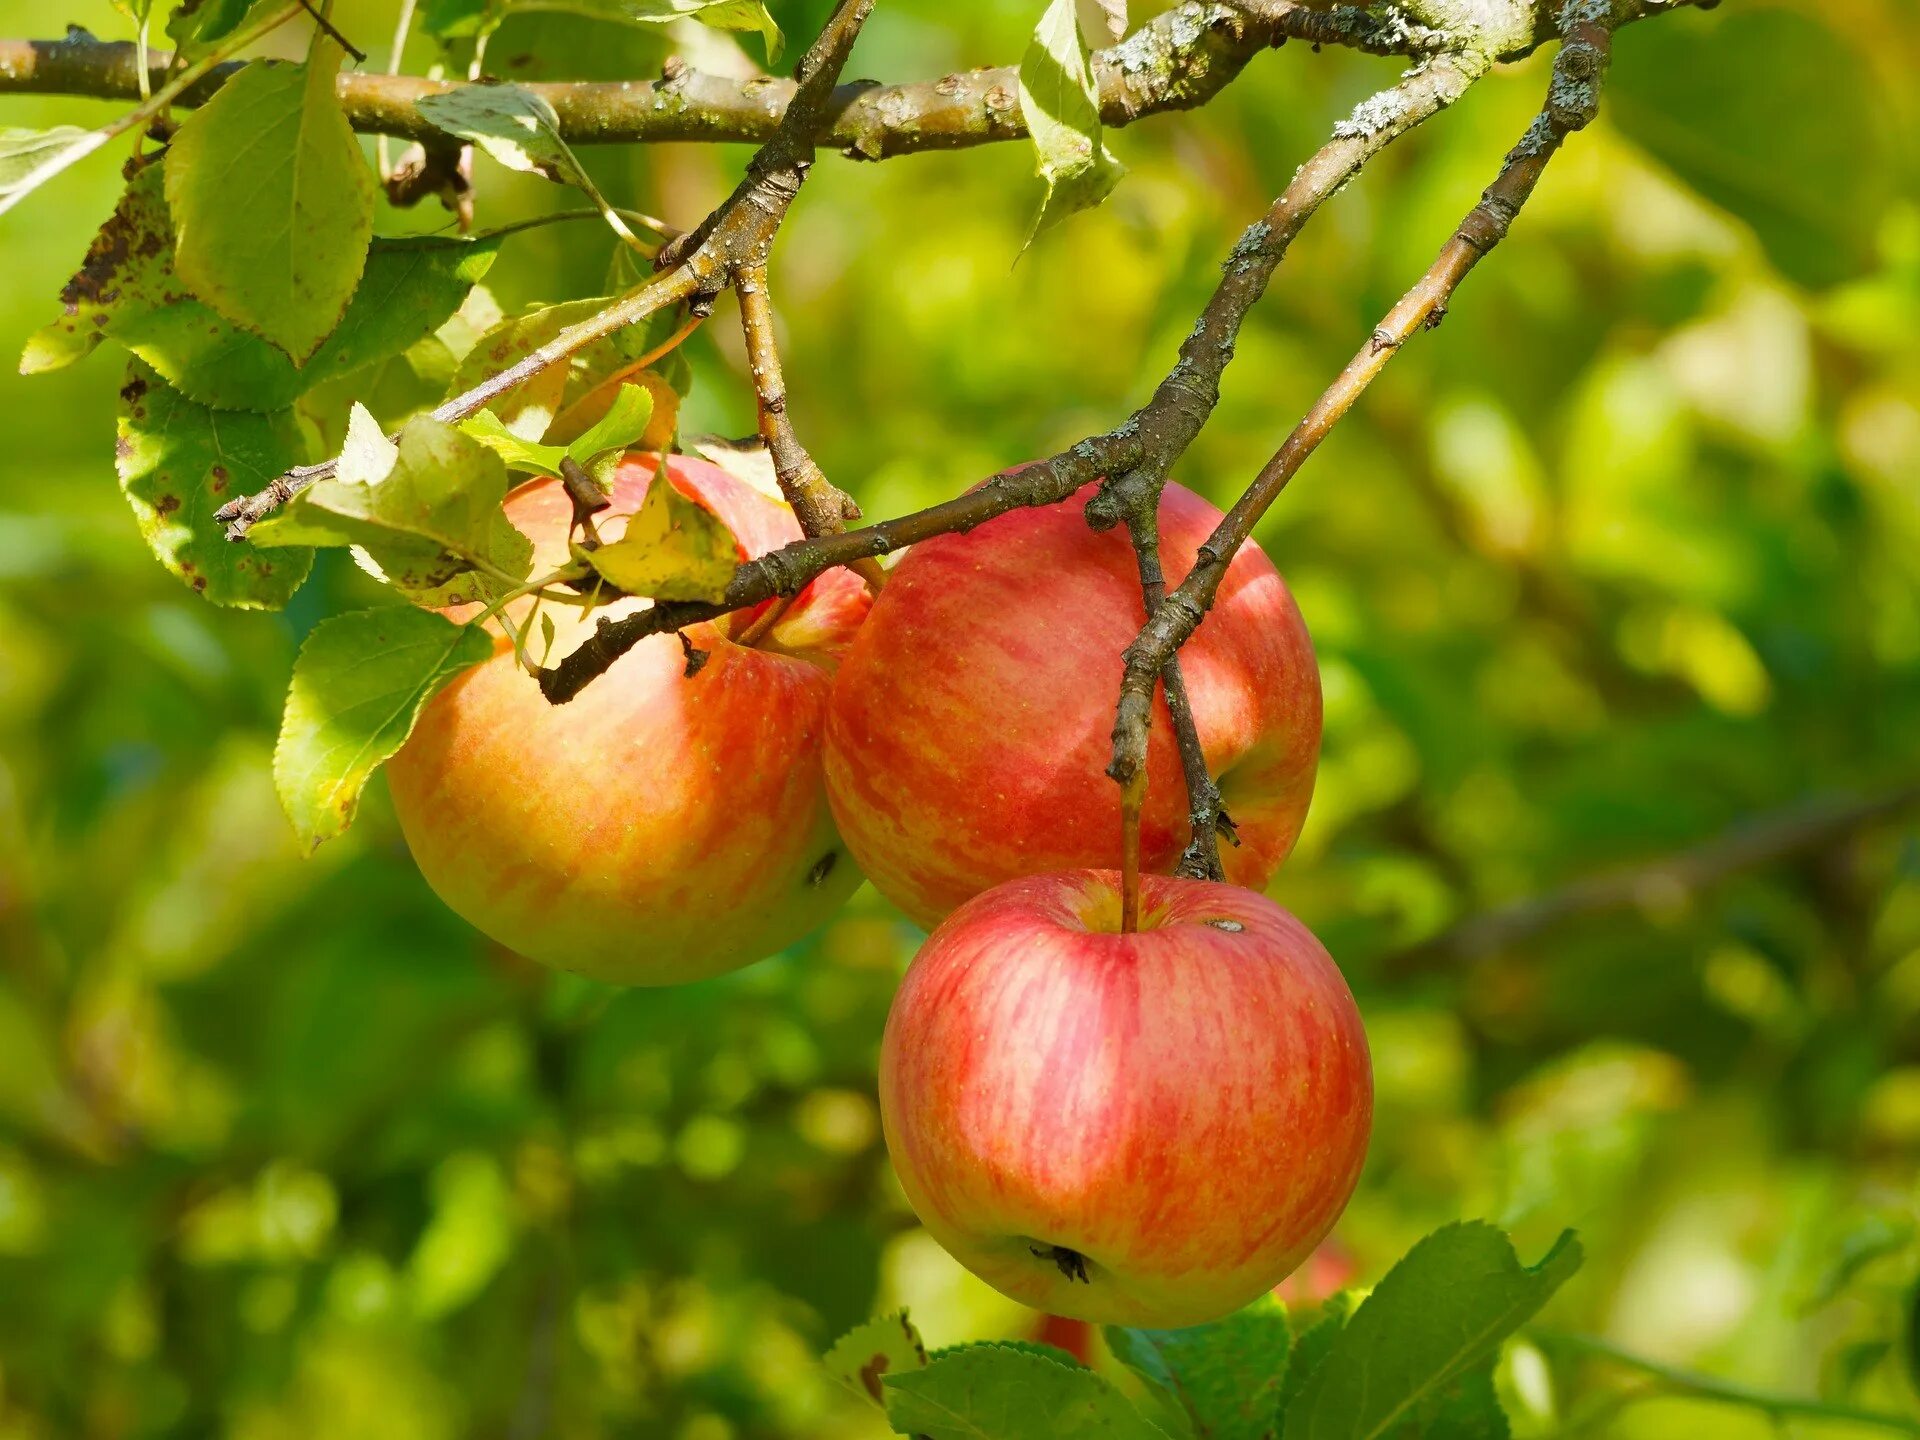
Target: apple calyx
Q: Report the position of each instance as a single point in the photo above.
(1072, 1263)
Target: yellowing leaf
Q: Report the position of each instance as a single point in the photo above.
(674, 549)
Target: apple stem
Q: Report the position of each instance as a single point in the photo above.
(1131, 797)
(767, 619)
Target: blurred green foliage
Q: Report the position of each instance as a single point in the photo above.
(1627, 552)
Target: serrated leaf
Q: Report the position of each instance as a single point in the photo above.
(673, 549)
(1311, 1345)
(622, 426)
(1062, 109)
(527, 409)
(24, 151)
(285, 262)
(359, 685)
(885, 1345)
(1439, 1314)
(1469, 1411)
(433, 524)
(515, 126)
(751, 15)
(126, 291)
(529, 455)
(1706, 99)
(178, 462)
(1225, 1376)
(997, 1392)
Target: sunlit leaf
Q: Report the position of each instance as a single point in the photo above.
(285, 263)
(515, 126)
(721, 14)
(673, 549)
(863, 1357)
(1062, 109)
(178, 463)
(358, 686)
(1225, 1376)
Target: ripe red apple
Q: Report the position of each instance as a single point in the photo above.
(660, 827)
(1145, 1129)
(969, 734)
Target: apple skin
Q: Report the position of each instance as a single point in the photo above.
(659, 827)
(1185, 1109)
(970, 729)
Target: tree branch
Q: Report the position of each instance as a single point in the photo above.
(1753, 844)
(1179, 60)
(1151, 438)
(1573, 99)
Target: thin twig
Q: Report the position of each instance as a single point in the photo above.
(1668, 881)
(1149, 439)
(332, 32)
(1675, 1381)
(1573, 99)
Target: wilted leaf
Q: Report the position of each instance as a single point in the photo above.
(286, 261)
(864, 1356)
(1438, 1316)
(1009, 1393)
(1062, 109)
(178, 463)
(1225, 1376)
(674, 548)
(358, 686)
(126, 291)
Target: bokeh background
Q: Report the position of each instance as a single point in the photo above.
(1624, 558)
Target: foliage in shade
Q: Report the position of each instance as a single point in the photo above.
(1224, 1377)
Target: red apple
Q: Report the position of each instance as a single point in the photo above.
(660, 827)
(969, 734)
(1146, 1129)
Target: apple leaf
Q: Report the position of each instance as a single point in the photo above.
(1225, 1376)
(1705, 98)
(24, 151)
(432, 524)
(527, 409)
(1438, 1316)
(272, 203)
(359, 684)
(179, 462)
(198, 23)
(528, 455)
(600, 447)
(673, 549)
(126, 291)
(1062, 109)
(1000, 1392)
(1311, 1345)
(515, 126)
(1469, 1411)
(885, 1345)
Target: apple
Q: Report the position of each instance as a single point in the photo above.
(660, 827)
(1143, 1129)
(968, 737)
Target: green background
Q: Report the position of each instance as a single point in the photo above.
(1625, 554)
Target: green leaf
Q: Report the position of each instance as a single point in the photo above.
(721, 14)
(515, 126)
(527, 409)
(491, 431)
(272, 203)
(1773, 114)
(199, 23)
(1062, 108)
(179, 462)
(126, 291)
(432, 524)
(997, 1392)
(1439, 1314)
(1470, 1411)
(885, 1345)
(673, 549)
(358, 686)
(1311, 1345)
(1225, 1376)
(623, 425)
(24, 151)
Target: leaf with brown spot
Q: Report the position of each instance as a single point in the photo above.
(885, 1345)
(167, 450)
